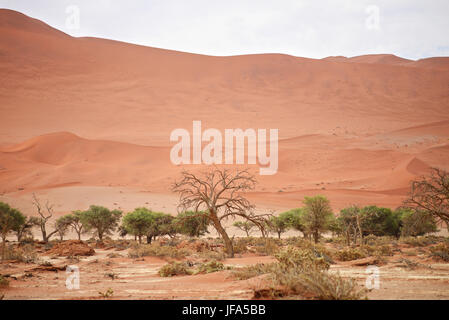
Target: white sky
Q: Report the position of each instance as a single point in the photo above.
(411, 29)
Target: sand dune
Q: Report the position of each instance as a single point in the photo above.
(94, 112)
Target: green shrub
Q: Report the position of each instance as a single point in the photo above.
(156, 250)
(267, 247)
(253, 271)
(174, 268)
(304, 259)
(349, 254)
(212, 255)
(326, 286)
(25, 254)
(318, 249)
(302, 272)
(107, 294)
(378, 250)
(240, 246)
(421, 241)
(373, 240)
(3, 281)
(440, 251)
(210, 266)
(416, 223)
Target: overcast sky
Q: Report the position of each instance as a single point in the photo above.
(411, 29)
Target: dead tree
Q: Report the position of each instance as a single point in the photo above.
(431, 195)
(218, 195)
(45, 213)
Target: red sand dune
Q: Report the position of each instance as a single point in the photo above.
(95, 112)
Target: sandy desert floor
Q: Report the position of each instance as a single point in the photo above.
(421, 278)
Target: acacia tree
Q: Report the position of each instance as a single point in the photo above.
(431, 195)
(245, 226)
(294, 219)
(10, 219)
(416, 223)
(218, 193)
(278, 225)
(24, 230)
(349, 222)
(45, 213)
(318, 214)
(380, 221)
(101, 220)
(62, 225)
(162, 224)
(192, 224)
(138, 222)
(75, 221)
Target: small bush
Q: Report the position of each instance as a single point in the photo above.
(156, 250)
(305, 259)
(440, 251)
(209, 267)
(421, 241)
(212, 255)
(240, 246)
(253, 271)
(107, 294)
(173, 269)
(349, 254)
(25, 254)
(326, 286)
(378, 250)
(3, 281)
(302, 272)
(373, 240)
(267, 247)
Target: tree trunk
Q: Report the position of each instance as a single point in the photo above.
(140, 239)
(316, 236)
(79, 236)
(3, 247)
(223, 234)
(279, 234)
(44, 234)
(149, 239)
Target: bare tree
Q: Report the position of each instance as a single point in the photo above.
(45, 213)
(217, 194)
(431, 195)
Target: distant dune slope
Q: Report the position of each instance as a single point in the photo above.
(90, 111)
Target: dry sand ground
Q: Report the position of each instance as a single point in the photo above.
(87, 121)
(138, 279)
